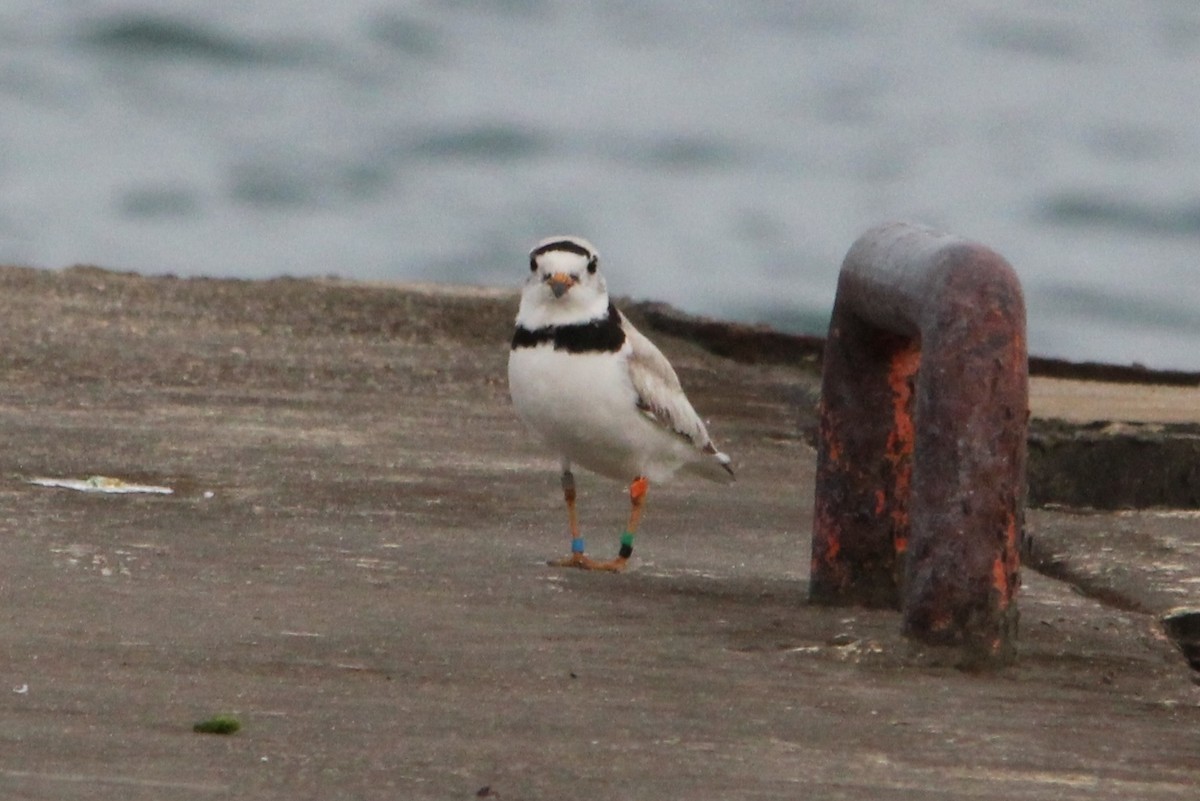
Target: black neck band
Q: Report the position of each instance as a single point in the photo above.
(602, 335)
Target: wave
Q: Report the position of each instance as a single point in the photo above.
(1126, 309)
(1077, 208)
(167, 38)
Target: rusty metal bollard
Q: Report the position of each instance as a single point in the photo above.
(920, 488)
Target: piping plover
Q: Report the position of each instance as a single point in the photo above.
(597, 392)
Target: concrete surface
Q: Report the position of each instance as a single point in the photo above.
(1086, 401)
(353, 566)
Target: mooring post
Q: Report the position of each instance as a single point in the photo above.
(920, 484)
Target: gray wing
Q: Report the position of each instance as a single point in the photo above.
(660, 395)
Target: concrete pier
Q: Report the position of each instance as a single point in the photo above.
(352, 564)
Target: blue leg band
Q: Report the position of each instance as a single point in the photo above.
(577, 545)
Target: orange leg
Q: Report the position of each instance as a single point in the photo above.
(577, 558)
(637, 500)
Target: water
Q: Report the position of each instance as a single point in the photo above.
(722, 156)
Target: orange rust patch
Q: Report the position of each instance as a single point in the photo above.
(900, 528)
(941, 622)
(833, 448)
(906, 361)
(1000, 582)
(826, 537)
(832, 547)
(1007, 565)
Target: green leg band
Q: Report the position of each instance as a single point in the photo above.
(626, 545)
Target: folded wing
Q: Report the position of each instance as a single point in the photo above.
(661, 397)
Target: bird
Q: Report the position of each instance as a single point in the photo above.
(598, 393)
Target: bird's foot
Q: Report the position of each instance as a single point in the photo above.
(584, 562)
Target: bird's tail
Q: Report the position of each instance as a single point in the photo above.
(715, 466)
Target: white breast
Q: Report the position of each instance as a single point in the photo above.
(585, 408)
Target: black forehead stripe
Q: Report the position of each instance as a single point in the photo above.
(602, 335)
(562, 244)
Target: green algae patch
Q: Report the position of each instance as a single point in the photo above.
(218, 724)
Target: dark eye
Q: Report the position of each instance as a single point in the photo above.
(592, 264)
(532, 264)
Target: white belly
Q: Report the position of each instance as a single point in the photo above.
(585, 408)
